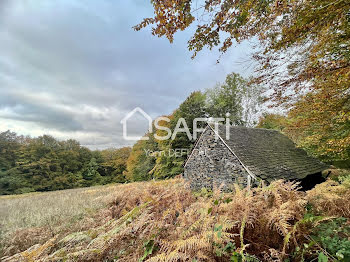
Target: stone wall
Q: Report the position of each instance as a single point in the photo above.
(212, 165)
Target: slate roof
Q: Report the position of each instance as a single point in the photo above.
(269, 154)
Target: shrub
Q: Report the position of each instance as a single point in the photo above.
(331, 197)
(334, 237)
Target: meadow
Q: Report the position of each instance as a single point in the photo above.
(31, 218)
(166, 221)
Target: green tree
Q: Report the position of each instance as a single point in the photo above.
(90, 174)
(141, 162)
(9, 145)
(170, 162)
(193, 107)
(114, 164)
(236, 99)
(44, 163)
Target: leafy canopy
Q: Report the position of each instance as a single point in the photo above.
(303, 57)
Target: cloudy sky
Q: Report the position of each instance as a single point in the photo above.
(74, 69)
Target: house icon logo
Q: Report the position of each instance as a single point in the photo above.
(129, 115)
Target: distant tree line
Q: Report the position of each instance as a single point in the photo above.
(44, 164)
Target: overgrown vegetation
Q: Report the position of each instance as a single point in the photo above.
(165, 221)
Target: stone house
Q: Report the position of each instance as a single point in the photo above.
(230, 154)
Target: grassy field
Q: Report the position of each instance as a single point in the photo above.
(50, 208)
(165, 221)
(32, 218)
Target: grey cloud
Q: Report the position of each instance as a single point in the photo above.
(84, 58)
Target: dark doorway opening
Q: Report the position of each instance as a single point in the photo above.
(311, 181)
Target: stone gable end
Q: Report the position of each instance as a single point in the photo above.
(212, 164)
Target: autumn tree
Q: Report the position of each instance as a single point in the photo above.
(272, 121)
(115, 163)
(140, 161)
(304, 56)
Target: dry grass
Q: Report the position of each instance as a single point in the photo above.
(328, 197)
(162, 221)
(35, 217)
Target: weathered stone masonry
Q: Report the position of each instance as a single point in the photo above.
(256, 153)
(212, 165)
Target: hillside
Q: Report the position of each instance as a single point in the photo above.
(165, 221)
